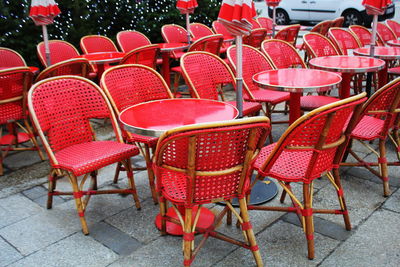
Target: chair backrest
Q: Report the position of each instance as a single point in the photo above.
(199, 30)
(173, 33)
(338, 22)
(364, 35)
(213, 158)
(394, 26)
(97, 43)
(265, 23)
(59, 51)
(10, 58)
(129, 40)
(255, 24)
(383, 104)
(384, 32)
(14, 85)
(254, 61)
(61, 109)
(211, 43)
(206, 74)
(219, 28)
(322, 27)
(282, 54)
(343, 40)
(255, 38)
(289, 34)
(317, 140)
(318, 45)
(128, 85)
(77, 66)
(145, 55)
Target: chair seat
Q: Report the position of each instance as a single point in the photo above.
(248, 107)
(369, 128)
(87, 157)
(273, 97)
(149, 140)
(310, 102)
(174, 186)
(395, 71)
(289, 167)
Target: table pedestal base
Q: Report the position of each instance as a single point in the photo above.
(206, 219)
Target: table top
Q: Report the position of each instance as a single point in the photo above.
(382, 52)
(297, 80)
(155, 117)
(166, 47)
(347, 64)
(302, 28)
(103, 57)
(395, 42)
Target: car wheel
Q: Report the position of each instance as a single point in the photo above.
(282, 17)
(352, 17)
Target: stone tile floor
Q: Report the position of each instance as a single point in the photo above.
(121, 235)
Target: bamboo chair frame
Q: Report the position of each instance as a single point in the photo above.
(80, 195)
(16, 54)
(189, 225)
(394, 26)
(305, 210)
(200, 25)
(52, 70)
(15, 124)
(284, 33)
(392, 120)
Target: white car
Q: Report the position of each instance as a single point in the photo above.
(318, 10)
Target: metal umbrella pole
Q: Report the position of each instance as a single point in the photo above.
(239, 75)
(371, 53)
(46, 45)
(273, 20)
(188, 26)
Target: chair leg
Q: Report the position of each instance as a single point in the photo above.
(78, 202)
(117, 170)
(129, 172)
(383, 167)
(283, 195)
(188, 238)
(33, 139)
(308, 216)
(176, 84)
(1, 162)
(246, 226)
(150, 173)
(52, 187)
(163, 211)
(342, 201)
(229, 215)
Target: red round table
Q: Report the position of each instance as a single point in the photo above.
(297, 82)
(382, 52)
(165, 50)
(102, 58)
(395, 42)
(348, 66)
(147, 119)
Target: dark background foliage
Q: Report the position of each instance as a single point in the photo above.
(105, 17)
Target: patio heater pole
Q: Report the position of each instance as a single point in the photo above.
(371, 53)
(273, 20)
(239, 75)
(188, 27)
(46, 45)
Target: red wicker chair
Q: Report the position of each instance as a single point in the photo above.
(255, 24)
(14, 85)
(129, 40)
(322, 27)
(77, 66)
(61, 109)
(318, 45)
(207, 74)
(316, 141)
(59, 50)
(284, 55)
(364, 35)
(265, 23)
(289, 34)
(173, 33)
(394, 26)
(338, 22)
(198, 30)
(145, 55)
(379, 115)
(10, 58)
(384, 32)
(343, 40)
(253, 62)
(209, 163)
(256, 37)
(97, 43)
(128, 85)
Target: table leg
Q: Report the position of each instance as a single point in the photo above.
(382, 76)
(345, 86)
(206, 220)
(165, 68)
(100, 70)
(294, 107)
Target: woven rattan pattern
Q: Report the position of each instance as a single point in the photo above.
(343, 39)
(319, 46)
(338, 22)
(255, 38)
(173, 33)
(63, 108)
(78, 66)
(322, 27)
(211, 44)
(217, 149)
(282, 54)
(199, 30)
(146, 55)
(265, 23)
(394, 26)
(9, 58)
(12, 84)
(363, 34)
(129, 40)
(385, 32)
(289, 34)
(59, 50)
(97, 43)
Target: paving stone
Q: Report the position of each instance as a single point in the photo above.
(321, 226)
(8, 254)
(371, 245)
(393, 202)
(16, 208)
(42, 201)
(21, 159)
(75, 250)
(35, 192)
(111, 237)
(282, 244)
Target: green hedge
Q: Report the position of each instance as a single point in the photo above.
(105, 17)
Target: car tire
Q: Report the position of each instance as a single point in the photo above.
(282, 17)
(352, 17)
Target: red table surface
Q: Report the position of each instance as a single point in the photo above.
(383, 52)
(155, 117)
(172, 46)
(100, 56)
(348, 64)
